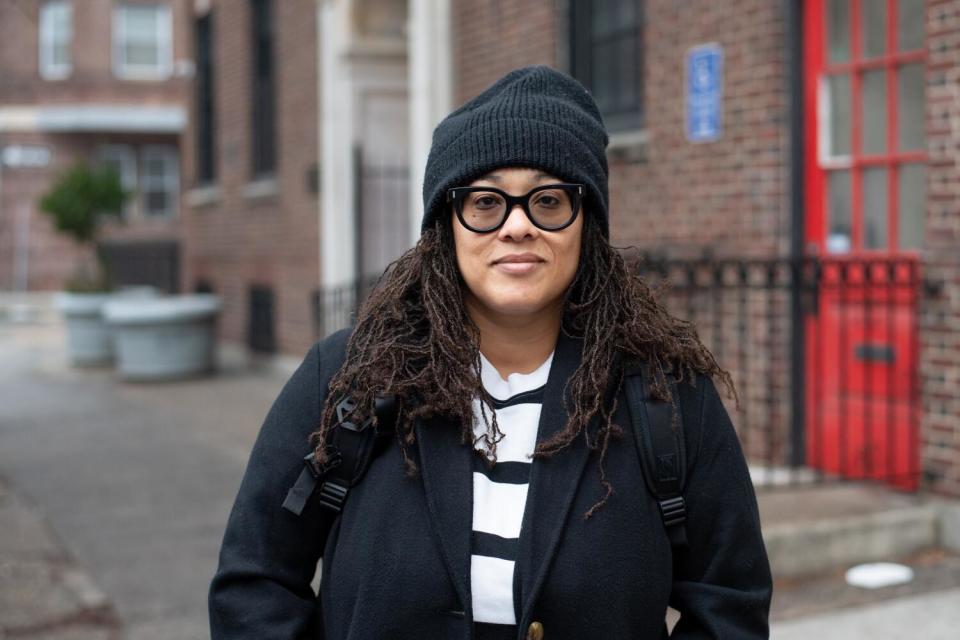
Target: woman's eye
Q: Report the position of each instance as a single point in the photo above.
(548, 200)
(486, 201)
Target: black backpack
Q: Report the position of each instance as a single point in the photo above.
(352, 447)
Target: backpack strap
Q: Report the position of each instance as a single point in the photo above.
(351, 449)
(661, 449)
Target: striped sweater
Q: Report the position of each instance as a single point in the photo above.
(500, 494)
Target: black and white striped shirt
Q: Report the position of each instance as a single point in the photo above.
(500, 494)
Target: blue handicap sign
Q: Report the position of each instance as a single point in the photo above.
(704, 92)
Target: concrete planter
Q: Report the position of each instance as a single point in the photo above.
(88, 338)
(164, 338)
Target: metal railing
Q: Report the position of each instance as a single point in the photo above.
(823, 353)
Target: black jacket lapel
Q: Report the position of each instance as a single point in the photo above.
(445, 465)
(553, 483)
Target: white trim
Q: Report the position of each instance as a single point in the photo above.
(164, 42)
(430, 90)
(99, 118)
(47, 40)
(262, 187)
(337, 114)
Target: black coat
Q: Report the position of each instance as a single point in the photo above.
(396, 563)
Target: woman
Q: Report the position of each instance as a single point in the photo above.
(504, 333)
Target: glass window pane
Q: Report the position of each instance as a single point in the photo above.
(873, 27)
(838, 121)
(875, 208)
(911, 112)
(157, 202)
(142, 55)
(912, 205)
(838, 211)
(874, 111)
(910, 19)
(838, 30)
(140, 23)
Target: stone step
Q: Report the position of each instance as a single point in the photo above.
(813, 529)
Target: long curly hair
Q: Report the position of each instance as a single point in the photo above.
(413, 338)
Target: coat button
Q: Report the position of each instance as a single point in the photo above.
(535, 631)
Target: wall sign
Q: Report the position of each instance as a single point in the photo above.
(704, 92)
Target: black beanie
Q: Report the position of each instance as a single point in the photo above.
(532, 117)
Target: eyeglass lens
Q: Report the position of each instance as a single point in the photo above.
(550, 208)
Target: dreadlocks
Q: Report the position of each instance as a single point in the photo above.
(414, 338)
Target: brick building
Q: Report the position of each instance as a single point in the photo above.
(250, 169)
(98, 80)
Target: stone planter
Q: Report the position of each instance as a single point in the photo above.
(164, 338)
(88, 338)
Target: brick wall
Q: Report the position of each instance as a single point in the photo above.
(940, 319)
(491, 37)
(264, 235)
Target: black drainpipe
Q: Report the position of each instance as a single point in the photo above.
(794, 18)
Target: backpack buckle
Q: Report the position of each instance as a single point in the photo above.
(333, 494)
(673, 511)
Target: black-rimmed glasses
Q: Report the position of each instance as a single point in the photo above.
(550, 207)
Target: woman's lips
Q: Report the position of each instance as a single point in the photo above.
(518, 263)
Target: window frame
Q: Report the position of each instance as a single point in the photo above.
(48, 68)
(857, 162)
(263, 111)
(582, 52)
(205, 134)
(164, 34)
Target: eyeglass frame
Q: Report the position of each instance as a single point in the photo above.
(576, 190)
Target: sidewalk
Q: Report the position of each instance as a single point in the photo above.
(135, 479)
(133, 482)
(44, 595)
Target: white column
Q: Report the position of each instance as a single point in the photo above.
(337, 220)
(430, 90)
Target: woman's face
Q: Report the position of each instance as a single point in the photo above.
(518, 271)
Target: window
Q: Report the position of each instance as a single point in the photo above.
(206, 158)
(159, 181)
(872, 125)
(153, 183)
(263, 149)
(56, 36)
(606, 55)
(142, 35)
(123, 160)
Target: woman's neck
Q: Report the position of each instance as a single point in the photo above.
(517, 344)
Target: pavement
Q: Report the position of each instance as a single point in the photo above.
(114, 496)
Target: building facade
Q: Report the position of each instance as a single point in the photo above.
(830, 149)
(98, 81)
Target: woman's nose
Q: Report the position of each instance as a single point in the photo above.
(517, 224)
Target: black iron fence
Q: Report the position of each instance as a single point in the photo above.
(823, 352)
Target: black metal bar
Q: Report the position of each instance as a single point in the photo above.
(798, 416)
(358, 244)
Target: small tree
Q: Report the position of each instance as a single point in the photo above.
(78, 203)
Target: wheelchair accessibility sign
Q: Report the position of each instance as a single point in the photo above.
(704, 92)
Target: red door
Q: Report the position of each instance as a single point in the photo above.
(865, 151)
